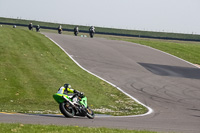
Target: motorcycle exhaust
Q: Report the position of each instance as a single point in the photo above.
(68, 101)
(73, 104)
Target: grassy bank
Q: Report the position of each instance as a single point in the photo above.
(24, 128)
(33, 68)
(137, 33)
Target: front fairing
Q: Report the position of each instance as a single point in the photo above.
(83, 101)
(58, 97)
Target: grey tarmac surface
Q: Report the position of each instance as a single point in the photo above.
(170, 86)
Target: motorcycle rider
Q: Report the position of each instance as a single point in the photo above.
(92, 29)
(59, 29)
(37, 28)
(67, 89)
(30, 26)
(76, 30)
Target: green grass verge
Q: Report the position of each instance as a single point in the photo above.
(27, 128)
(33, 68)
(106, 30)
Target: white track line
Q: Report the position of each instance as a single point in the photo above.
(150, 110)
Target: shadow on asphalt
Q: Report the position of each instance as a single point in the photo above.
(57, 116)
(62, 116)
(173, 71)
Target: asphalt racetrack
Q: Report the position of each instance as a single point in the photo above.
(170, 86)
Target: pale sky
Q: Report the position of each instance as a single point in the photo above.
(179, 16)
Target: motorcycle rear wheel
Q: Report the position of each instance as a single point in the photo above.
(66, 110)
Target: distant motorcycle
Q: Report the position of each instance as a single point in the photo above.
(30, 26)
(76, 31)
(60, 29)
(38, 28)
(91, 31)
(73, 105)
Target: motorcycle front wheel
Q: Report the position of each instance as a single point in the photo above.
(66, 110)
(91, 35)
(89, 113)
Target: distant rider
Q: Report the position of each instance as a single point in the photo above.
(76, 31)
(92, 29)
(30, 26)
(59, 29)
(37, 28)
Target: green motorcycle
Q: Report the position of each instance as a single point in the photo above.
(73, 105)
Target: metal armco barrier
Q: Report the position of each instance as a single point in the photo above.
(106, 33)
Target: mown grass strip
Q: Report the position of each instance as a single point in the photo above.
(28, 128)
